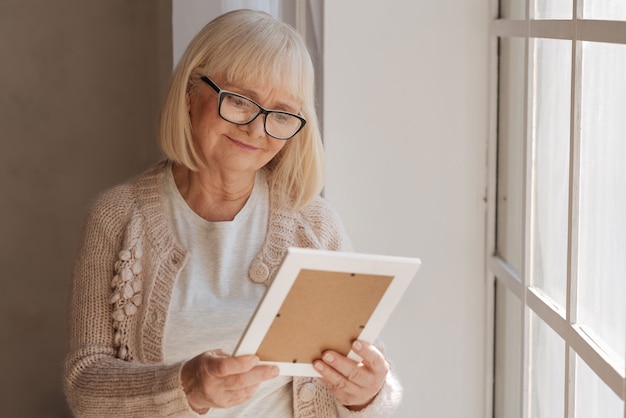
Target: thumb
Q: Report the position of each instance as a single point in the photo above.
(220, 364)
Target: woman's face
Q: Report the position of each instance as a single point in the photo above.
(235, 148)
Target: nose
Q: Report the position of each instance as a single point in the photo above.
(256, 128)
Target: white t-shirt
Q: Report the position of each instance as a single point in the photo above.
(213, 298)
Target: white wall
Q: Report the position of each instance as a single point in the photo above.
(405, 111)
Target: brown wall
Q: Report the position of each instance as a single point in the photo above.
(80, 87)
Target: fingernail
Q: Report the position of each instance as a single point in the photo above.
(329, 358)
(357, 346)
(319, 366)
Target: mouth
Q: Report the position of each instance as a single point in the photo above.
(242, 145)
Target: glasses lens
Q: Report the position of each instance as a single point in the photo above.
(282, 125)
(241, 110)
(238, 109)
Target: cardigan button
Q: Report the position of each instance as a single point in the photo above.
(307, 392)
(259, 272)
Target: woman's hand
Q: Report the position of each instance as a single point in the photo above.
(217, 380)
(354, 384)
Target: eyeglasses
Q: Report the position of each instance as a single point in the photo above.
(240, 110)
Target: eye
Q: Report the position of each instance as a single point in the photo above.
(239, 102)
(281, 117)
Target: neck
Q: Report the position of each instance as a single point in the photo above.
(214, 197)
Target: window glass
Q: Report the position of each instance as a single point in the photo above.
(604, 9)
(602, 240)
(508, 354)
(593, 397)
(552, 9)
(560, 210)
(547, 376)
(551, 138)
(509, 234)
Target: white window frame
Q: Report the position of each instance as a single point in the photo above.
(577, 342)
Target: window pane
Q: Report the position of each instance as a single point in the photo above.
(513, 9)
(509, 239)
(602, 236)
(593, 397)
(508, 352)
(604, 9)
(553, 9)
(551, 138)
(547, 371)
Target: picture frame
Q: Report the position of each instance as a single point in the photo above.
(321, 300)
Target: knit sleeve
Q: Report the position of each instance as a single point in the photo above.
(97, 383)
(323, 227)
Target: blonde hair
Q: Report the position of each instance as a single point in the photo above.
(250, 46)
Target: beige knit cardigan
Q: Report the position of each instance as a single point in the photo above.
(123, 277)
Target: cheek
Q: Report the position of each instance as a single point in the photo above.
(202, 115)
(200, 105)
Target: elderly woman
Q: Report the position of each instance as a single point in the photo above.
(172, 264)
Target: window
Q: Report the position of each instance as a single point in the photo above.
(558, 219)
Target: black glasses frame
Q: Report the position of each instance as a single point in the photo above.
(262, 111)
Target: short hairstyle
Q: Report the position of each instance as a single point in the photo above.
(244, 46)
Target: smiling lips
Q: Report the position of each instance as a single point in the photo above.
(242, 145)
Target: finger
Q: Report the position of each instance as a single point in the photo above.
(334, 380)
(232, 390)
(266, 372)
(348, 371)
(219, 365)
(219, 353)
(250, 378)
(372, 357)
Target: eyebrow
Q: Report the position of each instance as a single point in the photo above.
(253, 94)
